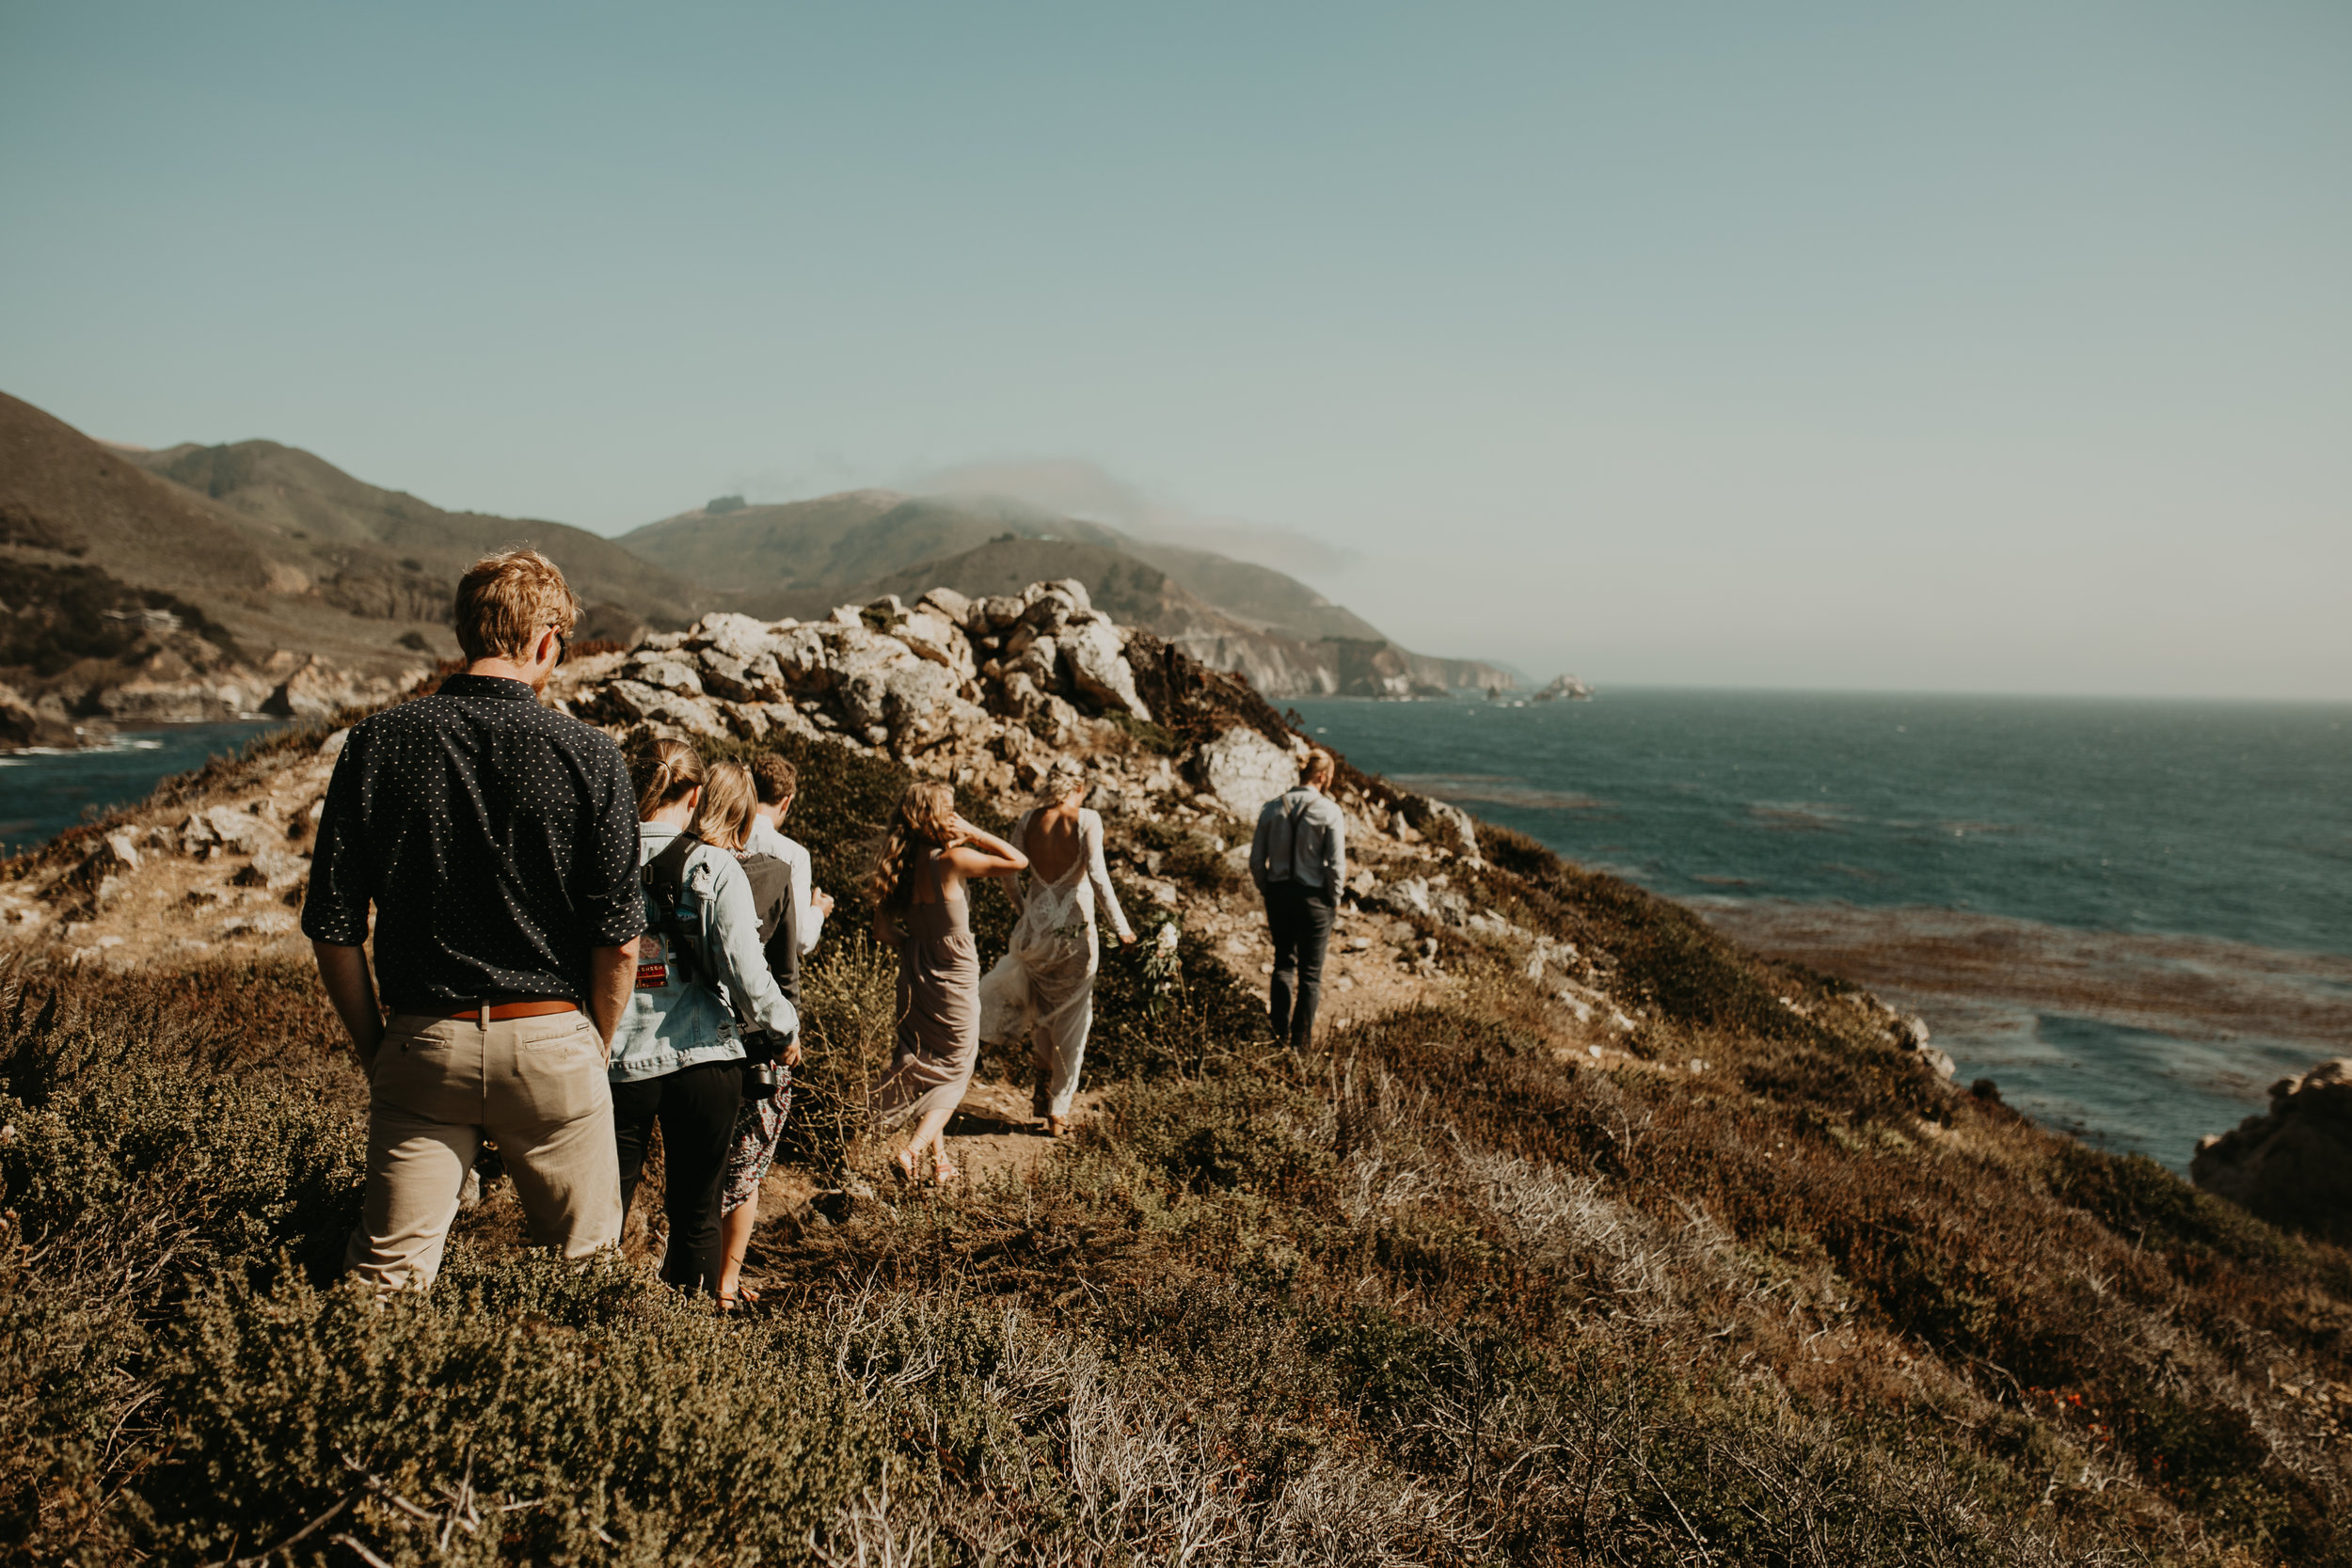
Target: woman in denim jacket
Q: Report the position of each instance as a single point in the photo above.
(678, 1056)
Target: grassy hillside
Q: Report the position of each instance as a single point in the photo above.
(1764, 1292)
(63, 495)
(319, 511)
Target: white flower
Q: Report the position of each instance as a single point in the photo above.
(1168, 937)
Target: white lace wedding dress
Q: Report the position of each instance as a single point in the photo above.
(1045, 981)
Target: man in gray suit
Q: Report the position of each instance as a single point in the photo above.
(1299, 858)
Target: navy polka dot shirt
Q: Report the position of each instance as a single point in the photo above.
(497, 840)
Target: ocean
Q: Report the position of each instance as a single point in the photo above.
(2133, 916)
(44, 793)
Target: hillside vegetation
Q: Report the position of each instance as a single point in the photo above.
(1748, 1285)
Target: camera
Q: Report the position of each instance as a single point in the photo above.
(763, 1070)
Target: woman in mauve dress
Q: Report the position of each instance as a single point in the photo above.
(921, 910)
(1044, 984)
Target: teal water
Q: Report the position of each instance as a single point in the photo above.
(2133, 915)
(44, 793)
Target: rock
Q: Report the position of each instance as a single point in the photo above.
(636, 701)
(804, 654)
(239, 831)
(954, 606)
(2292, 1165)
(1000, 611)
(1564, 688)
(100, 877)
(24, 724)
(757, 679)
(1939, 1062)
(917, 703)
(1443, 824)
(1049, 612)
(1041, 661)
(1244, 770)
(931, 635)
(738, 637)
(273, 868)
(269, 924)
(318, 688)
(666, 672)
(332, 747)
(1097, 660)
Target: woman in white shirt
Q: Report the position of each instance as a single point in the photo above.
(1045, 980)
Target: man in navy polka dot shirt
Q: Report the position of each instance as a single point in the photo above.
(496, 841)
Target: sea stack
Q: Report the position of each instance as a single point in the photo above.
(1564, 689)
(2292, 1165)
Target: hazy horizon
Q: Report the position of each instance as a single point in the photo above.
(1828, 348)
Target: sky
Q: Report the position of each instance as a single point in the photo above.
(1990, 347)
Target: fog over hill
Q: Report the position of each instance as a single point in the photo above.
(198, 582)
(802, 557)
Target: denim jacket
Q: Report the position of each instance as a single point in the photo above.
(672, 1021)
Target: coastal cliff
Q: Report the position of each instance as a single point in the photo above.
(1583, 1234)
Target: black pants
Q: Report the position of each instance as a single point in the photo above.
(695, 1106)
(1300, 918)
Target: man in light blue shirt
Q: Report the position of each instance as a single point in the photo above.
(1299, 858)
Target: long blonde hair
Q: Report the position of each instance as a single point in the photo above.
(925, 818)
(723, 821)
(665, 775)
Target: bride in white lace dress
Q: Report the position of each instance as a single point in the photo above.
(1045, 980)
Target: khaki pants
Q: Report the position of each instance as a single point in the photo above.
(535, 1084)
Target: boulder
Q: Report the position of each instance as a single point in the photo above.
(100, 875)
(947, 602)
(932, 634)
(738, 637)
(998, 611)
(238, 832)
(1095, 654)
(634, 701)
(804, 656)
(1049, 612)
(666, 672)
(1443, 824)
(916, 702)
(757, 679)
(24, 723)
(1041, 661)
(2292, 1164)
(313, 690)
(1244, 770)
(274, 867)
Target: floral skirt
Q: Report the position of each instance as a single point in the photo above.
(757, 1126)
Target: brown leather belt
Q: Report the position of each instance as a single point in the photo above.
(488, 1013)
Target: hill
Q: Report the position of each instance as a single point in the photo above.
(205, 582)
(856, 537)
(381, 538)
(1274, 630)
(1582, 1235)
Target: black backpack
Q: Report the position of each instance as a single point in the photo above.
(664, 881)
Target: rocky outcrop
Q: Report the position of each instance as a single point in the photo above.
(316, 688)
(27, 722)
(1564, 688)
(2292, 1165)
(1244, 770)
